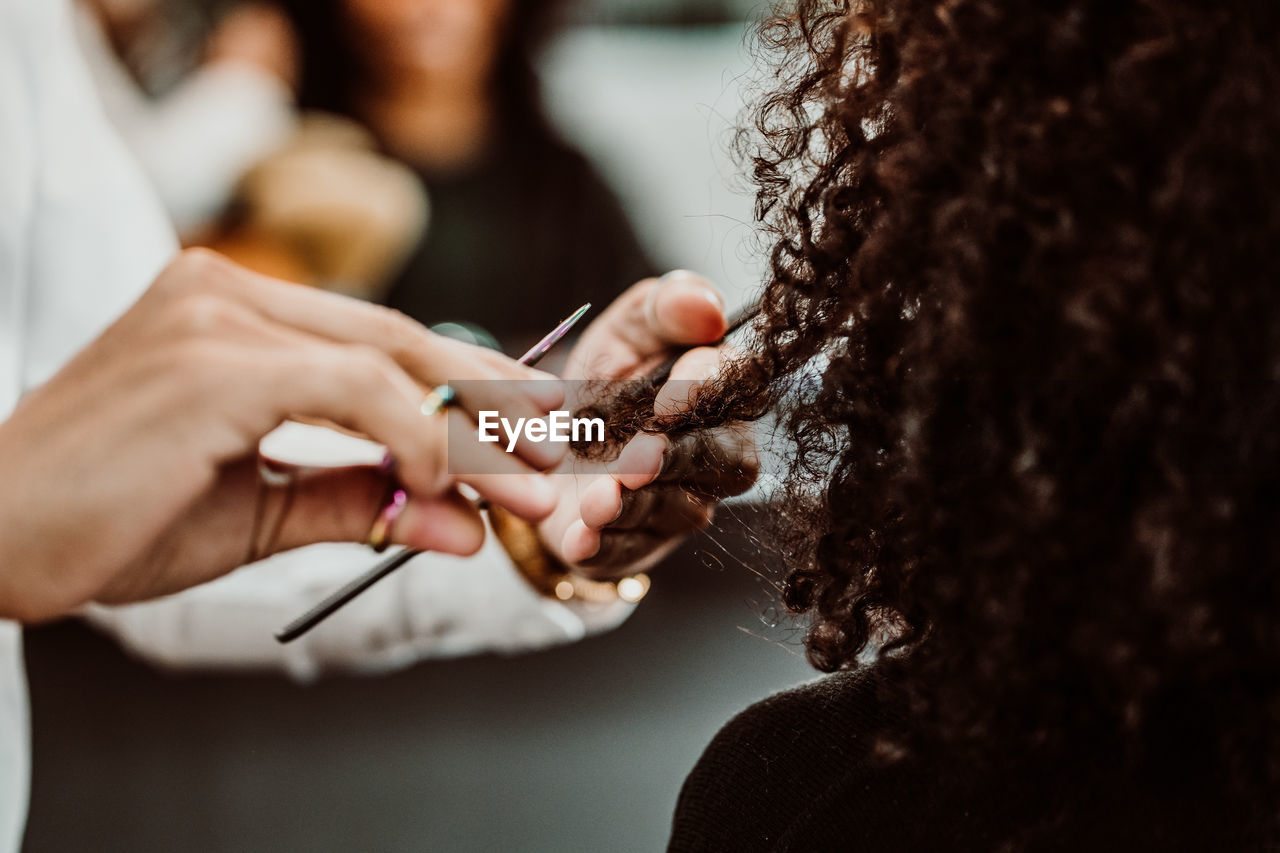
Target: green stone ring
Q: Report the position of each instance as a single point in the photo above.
(440, 398)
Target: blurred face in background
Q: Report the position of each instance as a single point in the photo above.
(124, 18)
(123, 11)
(452, 40)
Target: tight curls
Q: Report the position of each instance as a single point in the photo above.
(1028, 256)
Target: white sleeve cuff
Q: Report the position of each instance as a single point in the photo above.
(436, 606)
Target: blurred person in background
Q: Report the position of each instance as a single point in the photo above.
(199, 96)
(521, 224)
(203, 93)
(326, 209)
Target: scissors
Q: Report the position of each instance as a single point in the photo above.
(346, 594)
(350, 591)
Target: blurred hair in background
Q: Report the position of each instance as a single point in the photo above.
(523, 229)
(522, 226)
(446, 112)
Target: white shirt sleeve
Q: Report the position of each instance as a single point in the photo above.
(435, 606)
(72, 212)
(197, 141)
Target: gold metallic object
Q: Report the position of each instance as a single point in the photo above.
(548, 577)
(380, 533)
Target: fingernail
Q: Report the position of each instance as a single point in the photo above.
(568, 536)
(548, 393)
(707, 292)
(696, 284)
(541, 490)
(632, 468)
(714, 297)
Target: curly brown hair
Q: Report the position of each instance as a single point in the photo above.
(1024, 324)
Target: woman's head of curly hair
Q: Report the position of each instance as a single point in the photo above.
(1023, 326)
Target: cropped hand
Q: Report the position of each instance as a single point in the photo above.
(133, 472)
(622, 518)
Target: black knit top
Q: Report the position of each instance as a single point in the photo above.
(809, 770)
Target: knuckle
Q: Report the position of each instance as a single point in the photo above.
(436, 468)
(203, 314)
(364, 365)
(399, 333)
(199, 265)
(426, 465)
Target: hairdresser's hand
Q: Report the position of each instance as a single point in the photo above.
(625, 517)
(132, 473)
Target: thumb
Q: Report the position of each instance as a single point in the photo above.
(685, 309)
(650, 318)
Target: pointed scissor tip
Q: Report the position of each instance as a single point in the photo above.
(543, 346)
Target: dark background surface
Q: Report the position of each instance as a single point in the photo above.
(578, 748)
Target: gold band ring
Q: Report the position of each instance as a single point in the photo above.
(380, 534)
